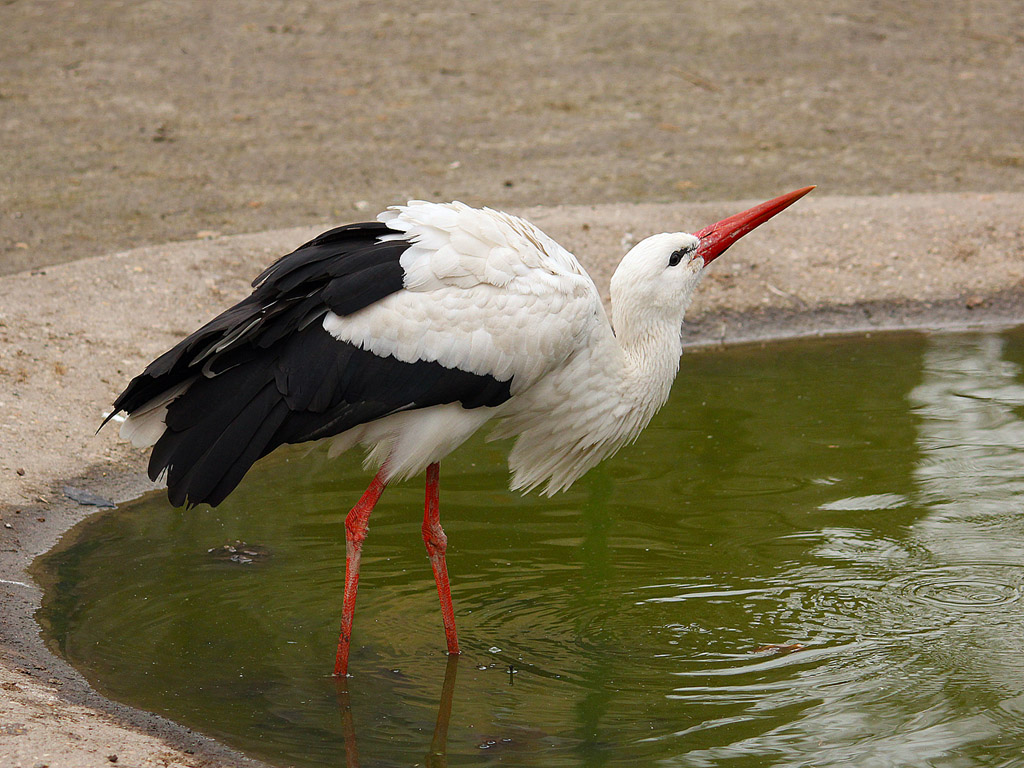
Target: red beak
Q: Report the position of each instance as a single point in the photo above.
(714, 240)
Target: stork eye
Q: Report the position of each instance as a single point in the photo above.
(677, 256)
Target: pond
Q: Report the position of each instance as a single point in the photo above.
(814, 556)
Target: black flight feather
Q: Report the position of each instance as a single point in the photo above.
(265, 372)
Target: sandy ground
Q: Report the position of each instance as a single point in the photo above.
(132, 123)
(167, 123)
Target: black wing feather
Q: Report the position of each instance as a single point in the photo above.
(265, 372)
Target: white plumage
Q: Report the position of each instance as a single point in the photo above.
(484, 292)
(487, 293)
(410, 334)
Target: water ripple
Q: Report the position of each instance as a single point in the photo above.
(964, 586)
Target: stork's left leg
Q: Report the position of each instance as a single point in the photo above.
(356, 523)
(437, 543)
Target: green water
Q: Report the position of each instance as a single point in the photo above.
(813, 557)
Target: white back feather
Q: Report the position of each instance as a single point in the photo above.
(485, 292)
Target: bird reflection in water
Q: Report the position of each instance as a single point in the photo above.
(437, 757)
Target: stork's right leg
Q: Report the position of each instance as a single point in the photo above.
(356, 523)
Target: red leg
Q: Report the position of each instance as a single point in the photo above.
(355, 531)
(437, 543)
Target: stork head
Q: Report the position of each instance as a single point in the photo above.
(659, 274)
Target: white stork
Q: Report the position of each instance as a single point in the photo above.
(408, 334)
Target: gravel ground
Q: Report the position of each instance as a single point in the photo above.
(140, 124)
